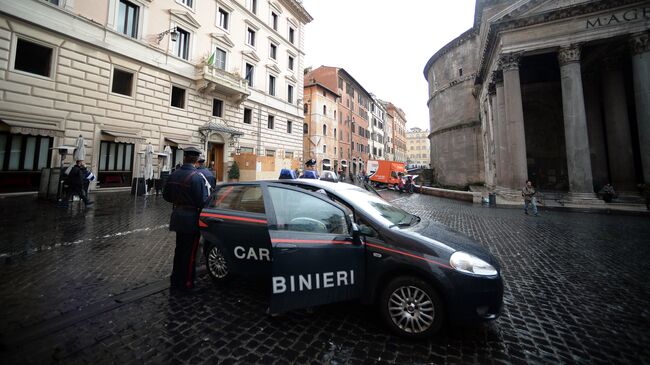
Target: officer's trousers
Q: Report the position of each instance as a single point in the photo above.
(184, 270)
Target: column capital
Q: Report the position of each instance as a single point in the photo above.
(509, 61)
(640, 43)
(568, 54)
(496, 77)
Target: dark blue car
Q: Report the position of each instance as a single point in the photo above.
(321, 242)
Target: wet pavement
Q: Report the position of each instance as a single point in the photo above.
(89, 286)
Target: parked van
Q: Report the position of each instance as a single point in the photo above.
(385, 173)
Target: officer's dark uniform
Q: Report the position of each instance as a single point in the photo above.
(207, 173)
(186, 189)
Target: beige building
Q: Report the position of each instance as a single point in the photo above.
(224, 75)
(397, 120)
(417, 148)
(553, 91)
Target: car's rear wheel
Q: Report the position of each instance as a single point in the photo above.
(411, 307)
(216, 262)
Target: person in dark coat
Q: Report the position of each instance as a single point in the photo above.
(206, 172)
(186, 189)
(75, 182)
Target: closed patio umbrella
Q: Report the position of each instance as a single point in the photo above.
(80, 149)
(168, 158)
(148, 162)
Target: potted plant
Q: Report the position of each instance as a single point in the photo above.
(233, 172)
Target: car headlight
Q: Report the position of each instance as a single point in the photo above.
(470, 264)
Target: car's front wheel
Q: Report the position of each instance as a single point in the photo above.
(411, 307)
(216, 262)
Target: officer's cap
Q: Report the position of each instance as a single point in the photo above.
(192, 151)
(311, 162)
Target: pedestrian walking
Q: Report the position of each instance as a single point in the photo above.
(88, 177)
(187, 190)
(75, 183)
(528, 192)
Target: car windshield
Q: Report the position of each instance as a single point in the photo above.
(380, 209)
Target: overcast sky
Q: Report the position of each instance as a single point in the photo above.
(385, 44)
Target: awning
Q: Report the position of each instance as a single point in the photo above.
(36, 128)
(326, 162)
(219, 127)
(124, 136)
(181, 142)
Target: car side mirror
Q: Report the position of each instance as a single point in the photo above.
(366, 231)
(356, 234)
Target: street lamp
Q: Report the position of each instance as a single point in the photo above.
(174, 35)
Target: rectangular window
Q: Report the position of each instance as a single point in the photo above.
(270, 153)
(252, 6)
(249, 74)
(273, 51)
(292, 35)
(127, 22)
(178, 97)
(324, 148)
(290, 93)
(248, 115)
(271, 85)
(289, 125)
(182, 45)
(33, 58)
(115, 161)
(288, 154)
(224, 18)
(220, 58)
(274, 20)
(122, 82)
(250, 37)
(270, 122)
(24, 153)
(290, 63)
(217, 108)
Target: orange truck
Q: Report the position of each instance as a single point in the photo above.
(384, 172)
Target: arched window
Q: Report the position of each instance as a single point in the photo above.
(324, 129)
(305, 128)
(334, 132)
(324, 109)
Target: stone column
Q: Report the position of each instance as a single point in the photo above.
(500, 140)
(595, 127)
(575, 122)
(492, 139)
(617, 124)
(514, 122)
(641, 77)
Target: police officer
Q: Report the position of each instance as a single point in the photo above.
(206, 172)
(187, 190)
(310, 170)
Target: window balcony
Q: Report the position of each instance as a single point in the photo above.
(210, 79)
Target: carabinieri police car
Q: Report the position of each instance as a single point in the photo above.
(321, 242)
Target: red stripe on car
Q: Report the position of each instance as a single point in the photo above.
(276, 240)
(408, 254)
(234, 218)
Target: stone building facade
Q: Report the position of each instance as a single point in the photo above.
(552, 91)
(377, 134)
(397, 118)
(417, 148)
(224, 75)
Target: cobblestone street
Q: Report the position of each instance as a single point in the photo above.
(90, 287)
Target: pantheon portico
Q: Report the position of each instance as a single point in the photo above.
(557, 92)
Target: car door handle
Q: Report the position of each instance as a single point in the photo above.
(213, 220)
(287, 247)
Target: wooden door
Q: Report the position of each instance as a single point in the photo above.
(216, 155)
